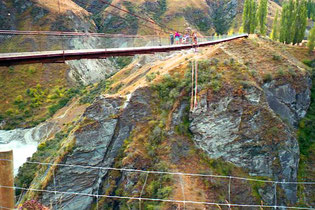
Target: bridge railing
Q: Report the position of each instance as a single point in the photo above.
(32, 43)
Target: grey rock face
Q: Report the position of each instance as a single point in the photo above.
(28, 135)
(286, 102)
(246, 132)
(98, 142)
(8, 19)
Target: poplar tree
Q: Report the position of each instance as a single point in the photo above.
(288, 18)
(262, 16)
(311, 9)
(246, 20)
(253, 16)
(311, 40)
(249, 16)
(275, 28)
(300, 21)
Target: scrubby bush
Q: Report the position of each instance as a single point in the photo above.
(280, 72)
(18, 99)
(166, 86)
(123, 61)
(9, 111)
(246, 84)
(11, 69)
(55, 107)
(310, 63)
(31, 70)
(276, 57)
(268, 77)
(253, 73)
(90, 95)
(159, 187)
(150, 77)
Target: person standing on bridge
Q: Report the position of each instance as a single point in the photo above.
(195, 38)
(172, 38)
(177, 38)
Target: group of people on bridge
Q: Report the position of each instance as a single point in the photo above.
(189, 37)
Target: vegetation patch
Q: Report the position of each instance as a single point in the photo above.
(93, 91)
(122, 61)
(45, 150)
(306, 132)
(27, 93)
(25, 106)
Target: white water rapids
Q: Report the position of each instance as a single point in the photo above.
(23, 142)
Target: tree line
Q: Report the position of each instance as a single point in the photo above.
(288, 27)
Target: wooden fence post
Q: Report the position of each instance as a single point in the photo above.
(6, 179)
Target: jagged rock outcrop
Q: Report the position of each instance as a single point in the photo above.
(248, 132)
(287, 102)
(104, 127)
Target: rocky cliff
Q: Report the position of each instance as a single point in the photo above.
(142, 121)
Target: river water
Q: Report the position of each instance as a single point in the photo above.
(22, 143)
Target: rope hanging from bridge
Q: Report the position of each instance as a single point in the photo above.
(194, 85)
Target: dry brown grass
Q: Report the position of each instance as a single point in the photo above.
(65, 5)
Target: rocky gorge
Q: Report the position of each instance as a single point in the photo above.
(142, 121)
(123, 133)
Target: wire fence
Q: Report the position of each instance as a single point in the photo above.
(142, 197)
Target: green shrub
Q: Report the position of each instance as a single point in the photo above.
(253, 73)
(153, 207)
(309, 63)
(280, 72)
(159, 187)
(246, 84)
(215, 85)
(18, 99)
(55, 107)
(214, 61)
(31, 70)
(123, 61)
(89, 96)
(150, 77)
(232, 61)
(11, 69)
(164, 192)
(165, 87)
(9, 112)
(276, 57)
(267, 77)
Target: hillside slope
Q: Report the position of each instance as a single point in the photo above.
(200, 15)
(16, 107)
(252, 93)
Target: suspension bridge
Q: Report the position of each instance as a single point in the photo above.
(152, 45)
